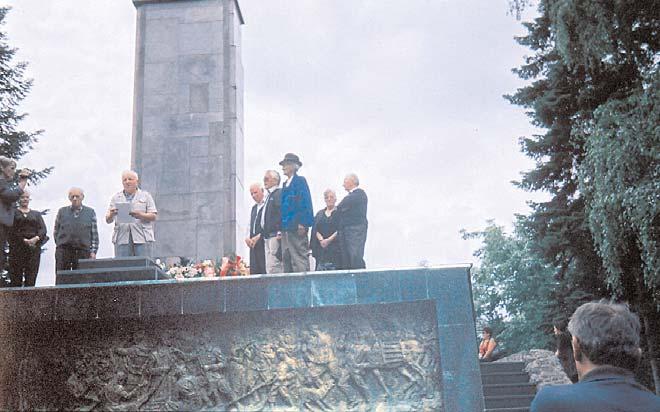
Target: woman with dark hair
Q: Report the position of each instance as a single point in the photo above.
(487, 345)
(9, 193)
(25, 240)
(565, 349)
(324, 242)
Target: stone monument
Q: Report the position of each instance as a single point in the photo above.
(188, 123)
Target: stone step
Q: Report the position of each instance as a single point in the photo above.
(505, 377)
(509, 389)
(105, 275)
(509, 401)
(123, 262)
(494, 367)
(523, 409)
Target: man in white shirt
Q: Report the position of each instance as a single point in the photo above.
(134, 237)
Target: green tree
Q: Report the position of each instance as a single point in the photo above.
(593, 62)
(14, 142)
(620, 179)
(512, 286)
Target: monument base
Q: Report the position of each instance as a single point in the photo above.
(355, 341)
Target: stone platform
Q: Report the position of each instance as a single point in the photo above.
(347, 340)
(111, 270)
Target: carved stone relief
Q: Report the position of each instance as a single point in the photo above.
(323, 360)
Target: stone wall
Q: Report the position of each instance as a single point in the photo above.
(188, 124)
(542, 365)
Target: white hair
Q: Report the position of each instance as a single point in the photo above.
(354, 178)
(129, 172)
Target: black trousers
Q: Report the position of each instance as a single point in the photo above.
(258, 258)
(66, 258)
(4, 230)
(23, 261)
(352, 240)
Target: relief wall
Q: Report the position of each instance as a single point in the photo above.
(356, 358)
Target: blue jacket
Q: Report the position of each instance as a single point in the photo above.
(604, 389)
(296, 204)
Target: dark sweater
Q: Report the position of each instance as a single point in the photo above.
(76, 232)
(353, 209)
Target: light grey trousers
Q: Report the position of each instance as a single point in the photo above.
(295, 251)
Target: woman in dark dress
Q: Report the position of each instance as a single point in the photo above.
(25, 240)
(324, 242)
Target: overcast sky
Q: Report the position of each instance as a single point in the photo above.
(408, 95)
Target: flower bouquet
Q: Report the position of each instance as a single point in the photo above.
(233, 265)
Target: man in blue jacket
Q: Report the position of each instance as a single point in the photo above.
(606, 348)
(297, 216)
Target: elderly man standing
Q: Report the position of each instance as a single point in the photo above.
(353, 223)
(606, 349)
(297, 216)
(76, 234)
(255, 240)
(135, 235)
(271, 220)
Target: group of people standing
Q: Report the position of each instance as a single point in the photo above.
(75, 231)
(282, 220)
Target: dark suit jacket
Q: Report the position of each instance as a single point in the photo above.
(273, 218)
(257, 253)
(353, 209)
(604, 389)
(255, 214)
(9, 194)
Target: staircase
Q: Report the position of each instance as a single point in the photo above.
(506, 387)
(110, 270)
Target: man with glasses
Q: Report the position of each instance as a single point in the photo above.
(76, 234)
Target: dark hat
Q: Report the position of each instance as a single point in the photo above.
(291, 158)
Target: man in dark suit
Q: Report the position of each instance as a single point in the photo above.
(271, 220)
(353, 223)
(606, 349)
(255, 240)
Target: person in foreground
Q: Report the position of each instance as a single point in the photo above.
(76, 234)
(135, 237)
(606, 349)
(25, 240)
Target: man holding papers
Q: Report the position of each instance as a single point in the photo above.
(133, 211)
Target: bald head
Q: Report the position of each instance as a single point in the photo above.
(129, 179)
(76, 196)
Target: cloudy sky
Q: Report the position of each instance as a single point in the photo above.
(408, 95)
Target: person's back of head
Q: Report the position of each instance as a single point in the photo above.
(607, 334)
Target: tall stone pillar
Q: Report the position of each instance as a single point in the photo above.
(188, 123)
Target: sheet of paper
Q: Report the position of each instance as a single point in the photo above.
(123, 210)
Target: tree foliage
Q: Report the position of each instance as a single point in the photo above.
(14, 86)
(512, 287)
(593, 88)
(620, 180)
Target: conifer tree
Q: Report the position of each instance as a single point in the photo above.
(14, 142)
(594, 70)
